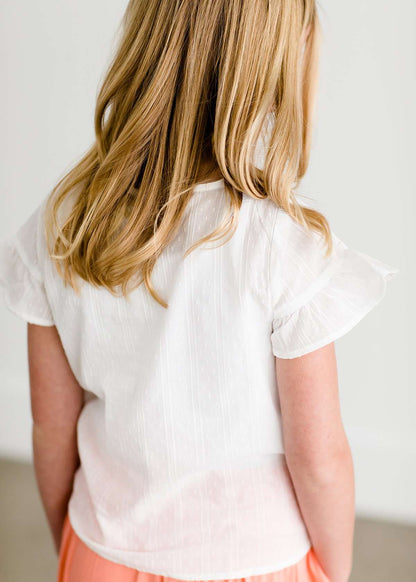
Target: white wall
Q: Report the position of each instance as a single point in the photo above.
(361, 176)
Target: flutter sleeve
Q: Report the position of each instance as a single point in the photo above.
(316, 299)
(21, 273)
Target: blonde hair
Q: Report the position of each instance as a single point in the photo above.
(190, 80)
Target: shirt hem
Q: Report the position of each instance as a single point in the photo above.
(260, 570)
(334, 335)
(26, 316)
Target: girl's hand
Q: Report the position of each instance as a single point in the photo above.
(57, 537)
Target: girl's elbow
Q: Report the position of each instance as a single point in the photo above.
(321, 466)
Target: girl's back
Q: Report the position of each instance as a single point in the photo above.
(183, 471)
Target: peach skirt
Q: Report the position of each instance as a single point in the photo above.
(77, 562)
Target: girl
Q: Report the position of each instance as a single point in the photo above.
(189, 426)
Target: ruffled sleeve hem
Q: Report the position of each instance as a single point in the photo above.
(22, 287)
(351, 287)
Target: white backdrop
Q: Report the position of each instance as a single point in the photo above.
(361, 176)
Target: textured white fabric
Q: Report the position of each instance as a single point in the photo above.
(21, 274)
(182, 469)
(316, 299)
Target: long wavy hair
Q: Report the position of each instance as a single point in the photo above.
(190, 81)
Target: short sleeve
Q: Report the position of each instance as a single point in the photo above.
(21, 272)
(316, 299)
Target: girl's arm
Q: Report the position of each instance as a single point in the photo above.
(56, 402)
(318, 456)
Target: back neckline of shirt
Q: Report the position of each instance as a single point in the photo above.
(204, 186)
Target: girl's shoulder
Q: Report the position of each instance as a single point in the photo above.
(315, 297)
(22, 261)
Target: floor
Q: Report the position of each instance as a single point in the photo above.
(383, 552)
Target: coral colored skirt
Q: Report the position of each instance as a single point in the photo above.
(78, 563)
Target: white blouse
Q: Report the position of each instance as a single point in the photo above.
(183, 471)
